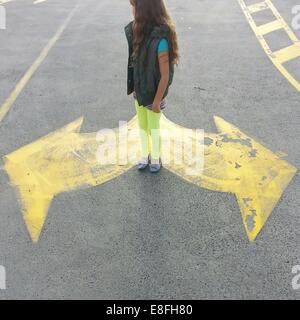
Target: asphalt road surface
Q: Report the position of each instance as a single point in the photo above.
(141, 236)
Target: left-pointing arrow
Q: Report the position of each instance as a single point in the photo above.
(60, 162)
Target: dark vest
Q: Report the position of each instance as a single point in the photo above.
(143, 75)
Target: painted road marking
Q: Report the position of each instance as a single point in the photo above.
(287, 53)
(269, 27)
(39, 1)
(35, 2)
(277, 57)
(29, 73)
(66, 160)
(256, 7)
(5, 1)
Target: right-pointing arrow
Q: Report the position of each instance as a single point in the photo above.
(236, 163)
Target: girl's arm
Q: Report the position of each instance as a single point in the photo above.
(163, 59)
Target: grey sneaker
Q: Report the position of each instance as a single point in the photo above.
(142, 165)
(155, 167)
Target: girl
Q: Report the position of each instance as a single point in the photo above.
(153, 52)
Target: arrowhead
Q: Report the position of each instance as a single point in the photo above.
(62, 161)
(263, 175)
(236, 163)
(35, 190)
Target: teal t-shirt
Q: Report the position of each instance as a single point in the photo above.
(163, 45)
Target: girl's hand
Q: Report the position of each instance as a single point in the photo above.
(156, 107)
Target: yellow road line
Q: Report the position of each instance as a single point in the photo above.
(281, 56)
(269, 27)
(5, 1)
(35, 2)
(257, 7)
(39, 1)
(29, 73)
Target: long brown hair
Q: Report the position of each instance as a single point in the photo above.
(149, 13)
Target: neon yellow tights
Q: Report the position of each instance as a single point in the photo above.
(149, 131)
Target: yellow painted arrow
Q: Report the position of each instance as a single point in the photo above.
(235, 163)
(67, 160)
(35, 2)
(59, 162)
